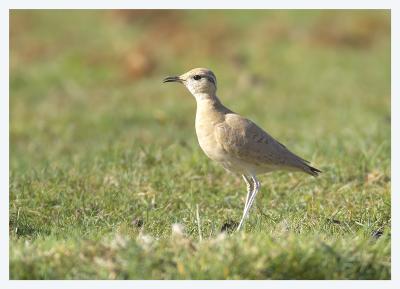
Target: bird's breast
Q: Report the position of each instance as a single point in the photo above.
(206, 138)
(208, 115)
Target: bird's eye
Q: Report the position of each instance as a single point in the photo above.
(197, 77)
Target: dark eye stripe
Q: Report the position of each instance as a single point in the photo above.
(210, 79)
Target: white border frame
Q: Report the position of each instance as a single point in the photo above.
(204, 4)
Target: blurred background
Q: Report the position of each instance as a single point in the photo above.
(95, 76)
(99, 145)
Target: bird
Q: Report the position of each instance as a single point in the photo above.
(233, 141)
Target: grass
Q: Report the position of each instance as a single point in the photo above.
(104, 157)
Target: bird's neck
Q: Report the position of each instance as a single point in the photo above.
(207, 101)
(210, 107)
(205, 96)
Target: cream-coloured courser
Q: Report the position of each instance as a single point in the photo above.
(235, 142)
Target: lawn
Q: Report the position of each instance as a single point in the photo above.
(107, 180)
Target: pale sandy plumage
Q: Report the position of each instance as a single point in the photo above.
(235, 142)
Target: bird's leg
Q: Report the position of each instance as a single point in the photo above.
(256, 188)
(249, 191)
(248, 197)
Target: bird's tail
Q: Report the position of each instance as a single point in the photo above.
(311, 170)
(304, 166)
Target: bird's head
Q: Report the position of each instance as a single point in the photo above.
(198, 81)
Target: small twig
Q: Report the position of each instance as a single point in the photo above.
(16, 222)
(198, 222)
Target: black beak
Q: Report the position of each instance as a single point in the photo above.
(172, 79)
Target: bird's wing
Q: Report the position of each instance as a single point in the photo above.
(246, 141)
